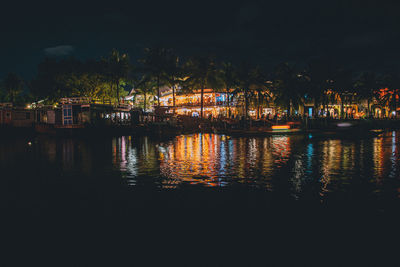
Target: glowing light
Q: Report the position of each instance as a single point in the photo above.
(280, 127)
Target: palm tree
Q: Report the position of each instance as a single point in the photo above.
(228, 79)
(319, 79)
(201, 73)
(261, 96)
(366, 87)
(174, 74)
(145, 87)
(289, 87)
(343, 87)
(13, 86)
(117, 68)
(249, 79)
(157, 65)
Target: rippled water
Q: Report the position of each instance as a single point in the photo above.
(217, 161)
(304, 196)
(293, 166)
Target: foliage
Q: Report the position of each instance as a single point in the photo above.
(319, 78)
(146, 88)
(289, 87)
(227, 79)
(12, 88)
(116, 69)
(366, 87)
(343, 88)
(201, 73)
(101, 79)
(160, 66)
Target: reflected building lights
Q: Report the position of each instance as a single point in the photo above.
(123, 153)
(331, 160)
(310, 154)
(394, 157)
(288, 164)
(378, 158)
(68, 154)
(211, 159)
(132, 165)
(281, 149)
(217, 160)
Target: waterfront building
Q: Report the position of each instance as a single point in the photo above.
(215, 103)
(388, 105)
(80, 111)
(16, 116)
(5, 114)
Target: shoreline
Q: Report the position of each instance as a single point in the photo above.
(95, 132)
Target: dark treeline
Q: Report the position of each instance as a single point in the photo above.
(288, 86)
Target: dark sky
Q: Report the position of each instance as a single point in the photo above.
(363, 34)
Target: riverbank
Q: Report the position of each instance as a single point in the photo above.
(318, 127)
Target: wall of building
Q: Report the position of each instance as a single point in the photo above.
(5, 117)
(23, 118)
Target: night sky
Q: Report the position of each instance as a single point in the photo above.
(363, 35)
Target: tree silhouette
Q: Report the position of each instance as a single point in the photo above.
(249, 79)
(145, 88)
(228, 79)
(344, 87)
(319, 76)
(201, 73)
(366, 87)
(158, 65)
(50, 83)
(289, 87)
(117, 67)
(13, 86)
(174, 74)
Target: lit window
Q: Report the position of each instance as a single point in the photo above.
(67, 114)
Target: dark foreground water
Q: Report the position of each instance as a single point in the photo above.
(290, 200)
(194, 170)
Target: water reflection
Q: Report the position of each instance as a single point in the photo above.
(394, 157)
(218, 160)
(291, 165)
(271, 163)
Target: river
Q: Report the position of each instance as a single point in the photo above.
(38, 171)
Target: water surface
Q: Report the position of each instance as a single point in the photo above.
(290, 167)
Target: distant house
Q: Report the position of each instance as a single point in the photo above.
(48, 115)
(5, 114)
(22, 117)
(81, 111)
(16, 116)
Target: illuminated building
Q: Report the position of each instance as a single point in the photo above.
(344, 105)
(389, 104)
(214, 103)
(347, 105)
